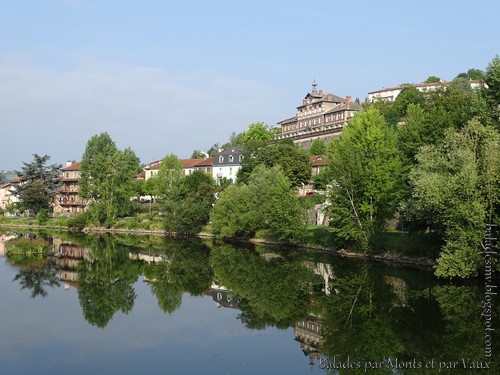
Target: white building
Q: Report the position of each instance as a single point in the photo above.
(227, 163)
(390, 94)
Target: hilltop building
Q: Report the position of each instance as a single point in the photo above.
(320, 116)
(390, 94)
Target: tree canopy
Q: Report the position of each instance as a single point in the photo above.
(366, 178)
(38, 181)
(107, 178)
(456, 186)
(266, 202)
(292, 159)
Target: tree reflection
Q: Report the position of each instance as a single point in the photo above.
(105, 281)
(185, 269)
(274, 291)
(376, 317)
(37, 278)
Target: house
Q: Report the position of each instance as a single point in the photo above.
(67, 200)
(206, 165)
(188, 167)
(226, 164)
(390, 94)
(318, 162)
(320, 116)
(8, 195)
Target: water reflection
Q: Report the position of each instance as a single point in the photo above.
(340, 310)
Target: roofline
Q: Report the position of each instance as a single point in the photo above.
(418, 85)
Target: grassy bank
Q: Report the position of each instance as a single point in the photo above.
(395, 246)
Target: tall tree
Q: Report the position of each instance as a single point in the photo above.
(191, 204)
(366, 174)
(38, 180)
(456, 187)
(107, 178)
(492, 89)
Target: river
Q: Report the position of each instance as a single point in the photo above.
(100, 304)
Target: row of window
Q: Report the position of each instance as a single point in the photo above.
(231, 159)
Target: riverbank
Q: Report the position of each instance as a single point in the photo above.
(317, 240)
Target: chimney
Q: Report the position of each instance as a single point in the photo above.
(321, 92)
(348, 101)
(68, 163)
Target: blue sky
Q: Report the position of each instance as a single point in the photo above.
(163, 77)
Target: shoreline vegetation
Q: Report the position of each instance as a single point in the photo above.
(392, 256)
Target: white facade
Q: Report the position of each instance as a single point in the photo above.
(390, 94)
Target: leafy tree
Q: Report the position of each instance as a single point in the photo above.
(492, 90)
(456, 187)
(168, 178)
(366, 174)
(318, 147)
(191, 204)
(266, 203)
(3, 178)
(472, 74)
(432, 79)
(107, 178)
(198, 154)
(409, 95)
(292, 159)
(38, 180)
(257, 135)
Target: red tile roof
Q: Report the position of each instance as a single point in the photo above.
(317, 160)
(72, 167)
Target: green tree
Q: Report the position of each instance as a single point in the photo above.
(432, 79)
(257, 135)
(409, 95)
(492, 89)
(38, 180)
(318, 147)
(191, 204)
(198, 154)
(265, 203)
(168, 178)
(456, 187)
(292, 159)
(107, 179)
(472, 74)
(366, 174)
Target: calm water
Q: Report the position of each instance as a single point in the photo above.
(128, 305)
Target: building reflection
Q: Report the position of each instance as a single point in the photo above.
(67, 257)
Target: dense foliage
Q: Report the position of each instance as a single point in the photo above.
(37, 181)
(107, 179)
(266, 202)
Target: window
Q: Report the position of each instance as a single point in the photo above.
(241, 158)
(231, 158)
(221, 159)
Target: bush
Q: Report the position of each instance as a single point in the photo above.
(79, 221)
(42, 216)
